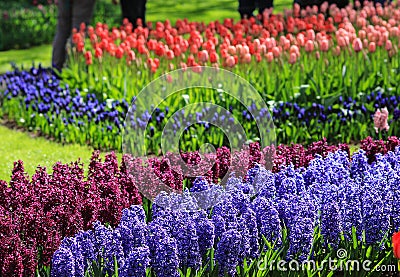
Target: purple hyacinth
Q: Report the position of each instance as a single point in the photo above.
(132, 228)
(199, 184)
(359, 165)
(163, 251)
(301, 231)
(299, 215)
(394, 182)
(75, 249)
(351, 210)
(219, 223)
(376, 220)
(183, 230)
(268, 222)
(108, 244)
(232, 211)
(331, 222)
(288, 182)
(205, 232)
(136, 263)
(263, 181)
(227, 252)
(63, 263)
(250, 221)
(85, 241)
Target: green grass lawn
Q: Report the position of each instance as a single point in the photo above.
(25, 57)
(34, 151)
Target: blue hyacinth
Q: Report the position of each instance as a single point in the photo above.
(63, 263)
(268, 222)
(136, 263)
(132, 228)
(331, 222)
(205, 231)
(163, 251)
(108, 244)
(227, 252)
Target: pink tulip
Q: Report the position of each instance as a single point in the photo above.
(247, 58)
(170, 54)
(245, 50)
(365, 43)
(362, 34)
(239, 48)
(388, 45)
(336, 50)
(276, 52)
(294, 49)
(372, 47)
(203, 56)
(310, 34)
(357, 45)
(341, 41)
(292, 58)
(230, 61)
(309, 46)
(131, 55)
(270, 57)
(263, 48)
(324, 45)
(232, 50)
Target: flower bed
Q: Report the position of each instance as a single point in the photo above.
(37, 100)
(316, 55)
(301, 215)
(38, 213)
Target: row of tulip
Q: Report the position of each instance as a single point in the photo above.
(318, 56)
(37, 100)
(303, 215)
(37, 213)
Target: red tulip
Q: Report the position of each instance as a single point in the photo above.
(98, 53)
(80, 46)
(88, 57)
(82, 27)
(214, 57)
(396, 245)
(131, 55)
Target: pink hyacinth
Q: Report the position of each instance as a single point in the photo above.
(381, 120)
